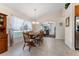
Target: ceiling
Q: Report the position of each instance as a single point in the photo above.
(42, 8)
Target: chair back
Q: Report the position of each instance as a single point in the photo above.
(41, 34)
(26, 37)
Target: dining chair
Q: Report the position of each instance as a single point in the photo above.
(28, 41)
(41, 35)
(39, 38)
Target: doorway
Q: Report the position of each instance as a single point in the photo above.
(49, 29)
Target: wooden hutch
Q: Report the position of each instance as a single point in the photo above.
(3, 34)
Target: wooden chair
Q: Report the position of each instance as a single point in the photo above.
(27, 41)
(39, 37)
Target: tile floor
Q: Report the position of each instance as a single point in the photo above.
(50, 47)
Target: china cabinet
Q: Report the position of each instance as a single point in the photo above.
(3, 34)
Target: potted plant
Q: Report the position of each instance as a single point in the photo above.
(67, 5)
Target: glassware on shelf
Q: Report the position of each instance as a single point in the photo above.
(0, 25)
(1, 20)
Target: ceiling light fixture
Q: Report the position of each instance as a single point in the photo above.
(35, 17)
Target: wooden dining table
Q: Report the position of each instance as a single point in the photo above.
(33, 39)
(34, 36)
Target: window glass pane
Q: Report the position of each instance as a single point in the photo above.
(16, 23)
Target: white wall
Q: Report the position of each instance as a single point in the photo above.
(36, 27)
(69, 31)
(60, 29)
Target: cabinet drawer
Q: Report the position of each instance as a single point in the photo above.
(3, 44)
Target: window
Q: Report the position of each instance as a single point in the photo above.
(20, 24)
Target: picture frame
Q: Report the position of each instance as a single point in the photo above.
(67, 21)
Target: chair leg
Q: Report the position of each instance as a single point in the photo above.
(23, 46)
(39, 42)
(29, 48)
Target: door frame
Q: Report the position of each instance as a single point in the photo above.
(75, 32)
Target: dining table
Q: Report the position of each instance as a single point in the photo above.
(35, 37)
